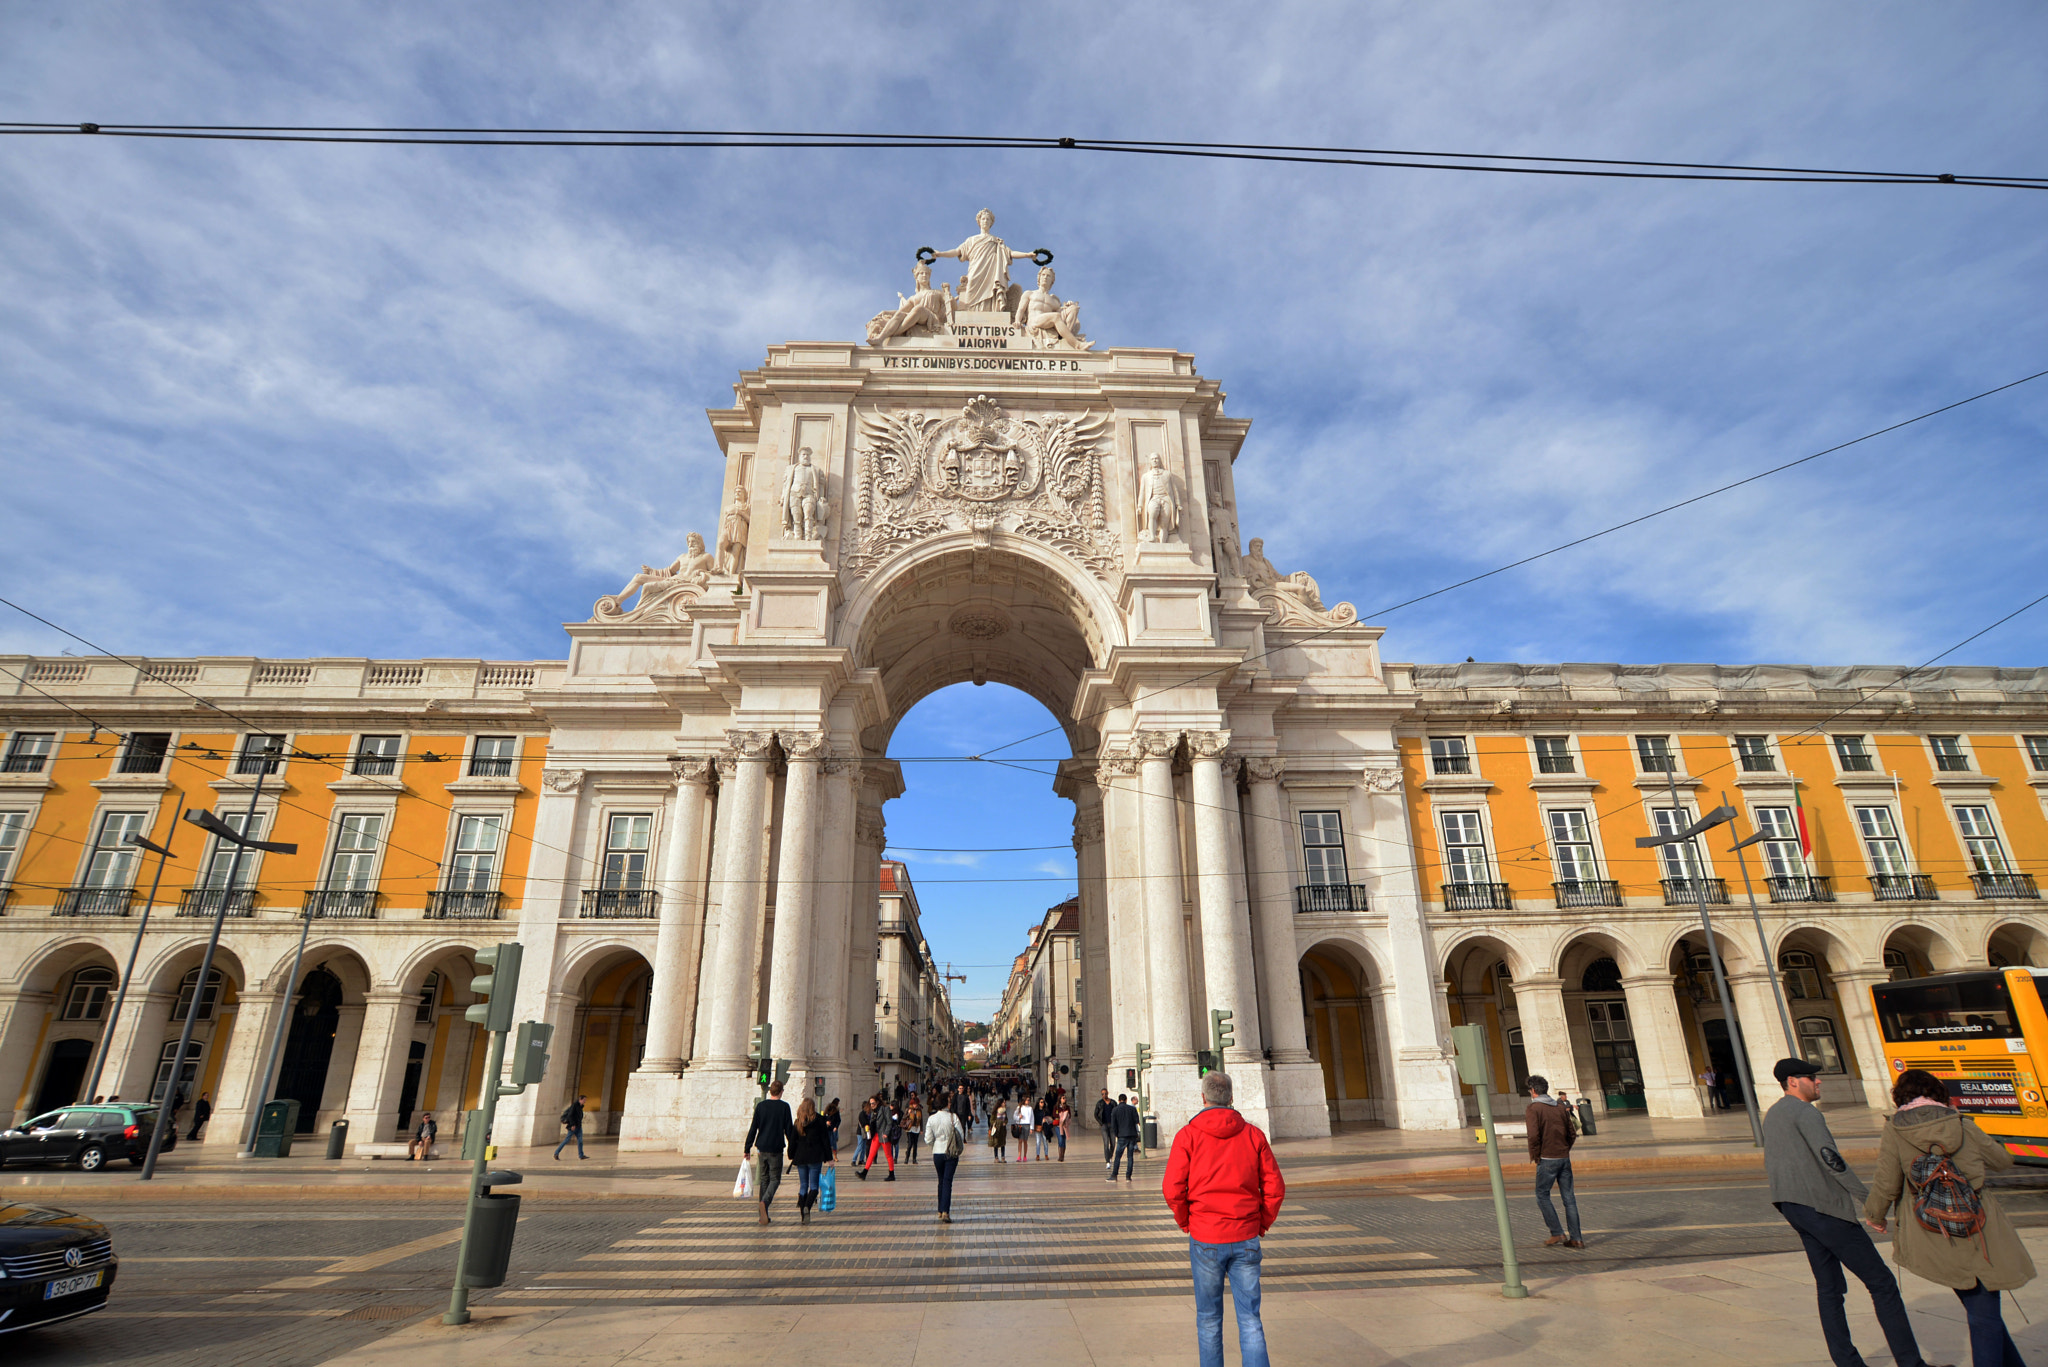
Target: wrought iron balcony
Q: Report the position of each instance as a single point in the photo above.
(1477, 897)
(358, 904)
(460, 904)
(95, 901)
(207, 901)
(1679, 892)
(1587, 892)
(2005, 885)
(5, 893)
(620, 904)
(491, 766)
(1330, 897)
(1902, 887)
(1797, 887)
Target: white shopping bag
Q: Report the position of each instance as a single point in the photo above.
(743, 1185)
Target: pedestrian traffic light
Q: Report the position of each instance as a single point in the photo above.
(530, 1054)
(496, 987)
(1144, 1057)
(782, 1071)
(1130, 1079)
(1221, 1032)
(1205, 1062)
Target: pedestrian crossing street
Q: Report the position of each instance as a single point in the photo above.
(1063, 1232)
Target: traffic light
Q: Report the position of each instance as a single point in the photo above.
(1144, 1057)
(1130, 1079)
(782, 1072)
(1221, 1032)
(530, 1054)
(497, 985)
(1205, 1062)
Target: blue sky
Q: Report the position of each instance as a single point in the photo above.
(407, 401)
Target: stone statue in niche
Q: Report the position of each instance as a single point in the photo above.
(986, 287)
(664, 593)
(1290, 599)
(1048, 321)
(925, 312)
(1158, 504)
(803, 499)
(1227, 559)
(732, 532)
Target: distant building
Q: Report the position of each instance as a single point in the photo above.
(915, 1037)
(1040, 1017)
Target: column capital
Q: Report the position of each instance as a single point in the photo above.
(1539, 983)
(1087, 827)
(744, 744)
(1154, 744)
(803, 745)
(389, 996)
(568, 782)
(1208, 744)
(1264, 768)
(686, 769)
(869, 827)
(1113, 767)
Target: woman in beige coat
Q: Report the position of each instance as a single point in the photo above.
(1976, 1268)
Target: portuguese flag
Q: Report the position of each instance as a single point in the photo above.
(1799, 815)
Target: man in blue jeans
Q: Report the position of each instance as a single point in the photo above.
(1123, 1128)
(1551, 1136)
(572, 1127)
(1225, 1192)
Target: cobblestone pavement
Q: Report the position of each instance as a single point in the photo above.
(223, 1283)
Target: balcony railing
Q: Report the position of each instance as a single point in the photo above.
(1797, 887)
(1587, 892)
(1477, 897)
(207, 901)
(1902, 887)
(356, 904)
(491, 766)
(620, 904)
(1329, 897)
(2007, 885)
(95, 901)
(23, 762)
(449, 904)
(1679, 892)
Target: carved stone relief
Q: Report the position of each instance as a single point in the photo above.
(1263, 768)
(1382, 778)
(1290, 600)
(690, 769)
(978, 622)
(747, 745)
(1154, 744)
(869, 828)
(1208, 744)
(982, 470)
(562, 780)
(665, 595)
(802, 744)
(1110, 768)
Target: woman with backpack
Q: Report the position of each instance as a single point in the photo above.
(1931, 1165)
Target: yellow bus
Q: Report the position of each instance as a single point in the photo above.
(1985, 1035)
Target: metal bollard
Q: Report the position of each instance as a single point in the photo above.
(337, 1138)
(1586, 1125)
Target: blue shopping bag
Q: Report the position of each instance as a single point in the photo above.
(828, 1188)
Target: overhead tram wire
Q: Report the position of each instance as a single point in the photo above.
(1378, 613)
(1607, 168)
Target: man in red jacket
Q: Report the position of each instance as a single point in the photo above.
(1225, 1191)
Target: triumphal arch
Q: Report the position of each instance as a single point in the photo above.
(978, 491)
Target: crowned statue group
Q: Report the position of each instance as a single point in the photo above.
(1043, 317)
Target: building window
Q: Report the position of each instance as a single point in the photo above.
(1948, 754)
(220, 861)
(113, 859)
(1571, 845)
(376, 755)
(2037, 752)
(87, 1000)
(144, 752)
(1781, 844)
(206, 1002)
(1755, 752)
(1322, 848)
(1653, 754)
(1602, 975)
(1817, 1044)
(1503, 986)
(188, 1075)
(1448, 755)
(494, 757)
(13, 825)
(476, 853)
(1881, 840)
(1980, 838)
(354, 867)
(1680, 860)
(625, 851)
(1554, 755)
(430, 995)
(259, 754)
(1853, 754)
(28, 752)
(1896, 966)
(1801, 972)
(1465, 849)
(1608, 1020)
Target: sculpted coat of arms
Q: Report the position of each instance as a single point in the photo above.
(982, 469)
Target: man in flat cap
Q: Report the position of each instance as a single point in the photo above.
(1814, 1189)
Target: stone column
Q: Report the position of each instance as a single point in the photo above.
(139, 1044)
(1853, 991)
(1668, 1086)
(1098, 1028)
(1123, 905)
(679, 885)
(24, 1021)
(863, 940)
(255, 1020)
(1751, 991)
(553, 881)
(789, 975)
(380, 1066)
(829, 1035)
(1546, 1031)
(1173, 1092)
(1294, 1093)
(1227, 970)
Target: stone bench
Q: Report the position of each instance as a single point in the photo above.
(389, 1150)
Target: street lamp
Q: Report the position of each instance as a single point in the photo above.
(1770, 966)
(92, 1088)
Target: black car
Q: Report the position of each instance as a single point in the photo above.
(53, 1266)
(88, 1136)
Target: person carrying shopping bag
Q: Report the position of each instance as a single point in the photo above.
(1931, 1166)
(810, 1148)
(948, 1138)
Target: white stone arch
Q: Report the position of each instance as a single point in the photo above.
(430, 957)
(1347, 1025)
(41, 969)
(1521, 960)
(2023, 940)
(170, 964)
(586, 957)
(1577, 946)
(1735, 956)
(1939, 949)
(1845, 945)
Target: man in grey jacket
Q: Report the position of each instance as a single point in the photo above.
(1814, 1189)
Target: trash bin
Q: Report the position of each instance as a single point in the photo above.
(275, 1128)
(337, 1138)
(1151, 1131)
(490, 1237)
(1586, 1125)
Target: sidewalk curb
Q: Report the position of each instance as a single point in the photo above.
(1751, 1161)
(62, 1193)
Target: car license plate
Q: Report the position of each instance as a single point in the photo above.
(71, 1286)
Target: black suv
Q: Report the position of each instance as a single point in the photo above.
(85, 1135)
(57, 1266)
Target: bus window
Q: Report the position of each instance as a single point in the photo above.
(1962, 1006)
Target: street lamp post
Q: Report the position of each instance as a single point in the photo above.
(1763, 945)
(92, 1088)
